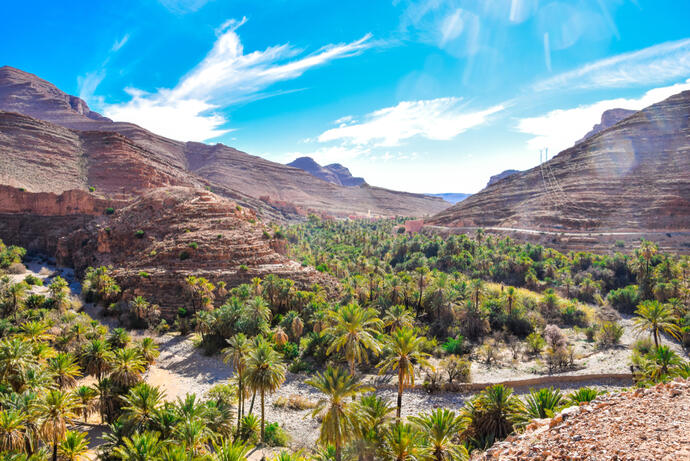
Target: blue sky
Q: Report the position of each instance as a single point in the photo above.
(426, 96)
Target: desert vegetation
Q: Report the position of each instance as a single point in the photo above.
(419, 310)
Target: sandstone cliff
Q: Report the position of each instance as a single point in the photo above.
(630, 177)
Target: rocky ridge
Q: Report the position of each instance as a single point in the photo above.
(167, 234)
(334, 173)
(608, 119)
(642, 424)
(127, 148)
(629, 177)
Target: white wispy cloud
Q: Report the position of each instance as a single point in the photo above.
(120, 43)
(436, 119)
(560, 129)
(227, 75)
(88, 83)
(654, 65)
(183, 6)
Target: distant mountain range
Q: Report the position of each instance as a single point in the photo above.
(335, 173)
(452, 197)
(51, 142)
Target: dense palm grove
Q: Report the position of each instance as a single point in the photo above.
(417, 309)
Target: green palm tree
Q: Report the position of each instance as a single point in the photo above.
(231, 451)
(265, 373)
(194, 434)
(12, 430)
(141, 405)
(543, 403)
(404, 442)
(441, 427)
(64, 369)
(354, 330)
(236, 353)
(96, 358)
(140, 447)
(337, 423)
(57, 410)
(405, 352)
(494, 413)
(87, 399)
(128, 366)
(655, 318)
(16, 358)
(398, 316)
(148, 349)
(662, 363)
(74, 447)
(372, 415)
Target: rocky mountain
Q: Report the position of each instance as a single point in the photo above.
(641, 424)
(452, 197)
(629, 177)
(608, 119)
(153, 241)
(273, 189)
(334, 173)
(503, 174)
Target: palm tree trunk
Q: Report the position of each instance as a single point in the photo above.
(338, 454)
(55, 450)
(251, 405)
(262, 416)
(400, 393)
(656, 338)
(241, 397)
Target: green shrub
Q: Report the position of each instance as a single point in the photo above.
(144, 274)
(290, 351)
(457, 369)
(267, 235)
(571, 315)
(32, 280)
(322, 268)
(109, 210)
(139, 234)
(583, 395)
(92, 189)
(609, 334)
(244, 268)
(535, 343)
(624, 299)
(184, 255)
(275, 435)
(193, 245)
(454, 345)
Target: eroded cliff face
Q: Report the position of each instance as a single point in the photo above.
(630, 177)
(167, 234)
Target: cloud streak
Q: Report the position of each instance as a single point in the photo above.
(226, 76)
(654, 65)
(435, 119)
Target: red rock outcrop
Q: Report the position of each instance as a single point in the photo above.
(170, 233)
(633, 177)
(643, 424)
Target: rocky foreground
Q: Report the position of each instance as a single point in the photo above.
(642, 424)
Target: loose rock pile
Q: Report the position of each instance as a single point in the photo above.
(643, 424)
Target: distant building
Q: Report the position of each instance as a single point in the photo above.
(413, 226)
